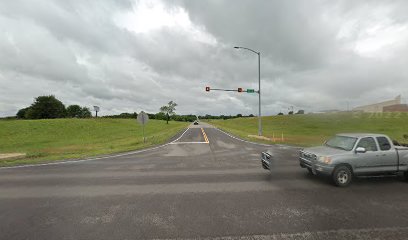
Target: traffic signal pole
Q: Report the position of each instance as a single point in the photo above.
(207, 89)
(230, 90)
(259, 90)
(259, 95)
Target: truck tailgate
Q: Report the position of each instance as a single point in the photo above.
(402, 153)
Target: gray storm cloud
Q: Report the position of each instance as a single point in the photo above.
(315, 54)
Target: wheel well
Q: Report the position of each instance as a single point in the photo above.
(347, 165)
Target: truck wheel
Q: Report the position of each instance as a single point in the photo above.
(342, 176)
(406, 176)
(310, 171)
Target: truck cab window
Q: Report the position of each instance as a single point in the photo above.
(384, 143)
(368, 143)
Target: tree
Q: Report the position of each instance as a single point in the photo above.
(85, 113)
(161, 116)
(151, 116)
(169, 110)
(301, 112)
(46, 107)
(280, 113)
(21, 114)
(74, 111)
(122, 115)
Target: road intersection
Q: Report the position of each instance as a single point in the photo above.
(203, 184)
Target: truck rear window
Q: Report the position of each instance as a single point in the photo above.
(384, 143)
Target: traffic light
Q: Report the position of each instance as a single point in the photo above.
(207, 89)
(239, 89)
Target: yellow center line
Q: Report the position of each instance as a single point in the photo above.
(205, 135)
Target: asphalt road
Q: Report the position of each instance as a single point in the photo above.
(205, 184)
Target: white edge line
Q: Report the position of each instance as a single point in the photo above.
(180, 136)
(307, 234)
(93, 159)
(173, 143)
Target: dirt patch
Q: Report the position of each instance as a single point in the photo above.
(272, 139)
(291, 139)
(7, 156)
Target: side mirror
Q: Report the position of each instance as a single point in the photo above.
(361, 150)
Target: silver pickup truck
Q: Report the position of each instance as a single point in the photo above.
(351, 154)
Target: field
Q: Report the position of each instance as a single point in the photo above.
(47, 140)
(314, 129)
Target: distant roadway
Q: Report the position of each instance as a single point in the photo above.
(204, 184)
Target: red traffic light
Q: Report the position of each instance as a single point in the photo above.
(207, 89)
(239, 89)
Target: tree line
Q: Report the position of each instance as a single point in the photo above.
(177, 117)
(157, 116)
(48, 107)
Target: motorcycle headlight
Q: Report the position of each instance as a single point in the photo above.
(325, 159)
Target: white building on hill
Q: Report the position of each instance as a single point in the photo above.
(379, 107)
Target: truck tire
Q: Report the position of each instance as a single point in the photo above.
(342, 176)
(406, 176)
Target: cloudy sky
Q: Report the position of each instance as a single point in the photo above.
(128, 55)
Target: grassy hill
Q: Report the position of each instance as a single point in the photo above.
(46, 140)
(312, 129)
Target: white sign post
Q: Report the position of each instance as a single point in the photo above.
(143, 118)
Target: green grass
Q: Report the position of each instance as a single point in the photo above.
(313, 129)
(56, 139)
